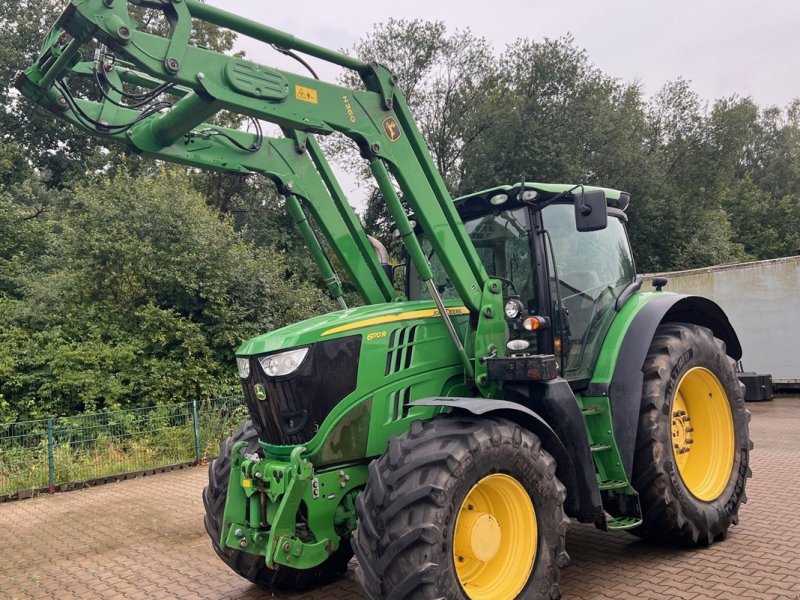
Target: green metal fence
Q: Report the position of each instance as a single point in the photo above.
(50, 452)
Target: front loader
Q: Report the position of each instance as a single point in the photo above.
(449, 434)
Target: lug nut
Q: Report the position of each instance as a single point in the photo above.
(238, 533)
(243, 544)
(287, 546)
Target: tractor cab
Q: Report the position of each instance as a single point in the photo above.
(564, 270)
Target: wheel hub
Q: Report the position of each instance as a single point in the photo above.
(478, 535)
(682, 429)
(702, 434)
(495, 539)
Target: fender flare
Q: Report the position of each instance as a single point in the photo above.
(522, 416)
(625, 388)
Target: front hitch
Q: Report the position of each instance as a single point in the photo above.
(285, 511)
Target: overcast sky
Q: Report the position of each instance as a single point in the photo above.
(723, 47)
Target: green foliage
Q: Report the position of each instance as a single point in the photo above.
(61, 152)
(555, 118)
(124, 284)
(140, 295)
(709, 185)
(446, 77)
(58, 150)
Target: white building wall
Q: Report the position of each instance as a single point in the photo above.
(762, 301)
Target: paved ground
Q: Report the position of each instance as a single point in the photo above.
(145, 539)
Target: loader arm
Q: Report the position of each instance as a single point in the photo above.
(289, 162)
(376, 118)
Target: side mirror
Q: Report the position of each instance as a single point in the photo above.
(591, 211)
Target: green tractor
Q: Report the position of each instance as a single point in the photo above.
(448, 434)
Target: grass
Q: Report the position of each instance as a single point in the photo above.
(91, 446)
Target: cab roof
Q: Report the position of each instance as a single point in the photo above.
(615, 198)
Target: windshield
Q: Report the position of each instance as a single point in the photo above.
(503, 245)
(592, 269)
(587, 273)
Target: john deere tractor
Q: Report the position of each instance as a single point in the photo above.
(448, 434)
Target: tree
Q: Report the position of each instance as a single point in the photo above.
(60, 151)
(141, 295)
(446, 78)
(554, 117)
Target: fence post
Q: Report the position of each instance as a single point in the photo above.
(51, 467)
(195, 420)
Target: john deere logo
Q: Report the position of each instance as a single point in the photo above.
(261, 393)
(391, 128)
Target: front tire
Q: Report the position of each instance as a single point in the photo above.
(251, 566)
(461, 507)
(692, 452)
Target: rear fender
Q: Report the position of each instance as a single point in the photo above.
(625, 387)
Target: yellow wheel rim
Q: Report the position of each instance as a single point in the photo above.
(494, 545)
(702, 434)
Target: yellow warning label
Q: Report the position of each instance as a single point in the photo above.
(305, 94)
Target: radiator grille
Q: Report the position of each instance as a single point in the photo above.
(297, 404)
(401, 349)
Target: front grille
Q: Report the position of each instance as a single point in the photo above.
(297, 404)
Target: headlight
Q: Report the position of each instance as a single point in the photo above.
(513, 308)
(244, 367)
(277, 365)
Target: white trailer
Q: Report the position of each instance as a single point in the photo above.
(762, 301)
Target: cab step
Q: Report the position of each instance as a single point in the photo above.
(612, 484)
(599, 447)
(622, 523)
(592, 410)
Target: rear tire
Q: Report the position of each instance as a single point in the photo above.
(462, 507)
(251, 566)
(692, 453)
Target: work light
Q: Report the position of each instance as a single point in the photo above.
(244, 367)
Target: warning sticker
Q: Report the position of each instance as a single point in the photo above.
(305, 94)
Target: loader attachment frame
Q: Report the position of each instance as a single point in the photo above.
(377, 119)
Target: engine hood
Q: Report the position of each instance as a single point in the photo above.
(342, 323)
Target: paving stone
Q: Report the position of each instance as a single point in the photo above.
(144, 538)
